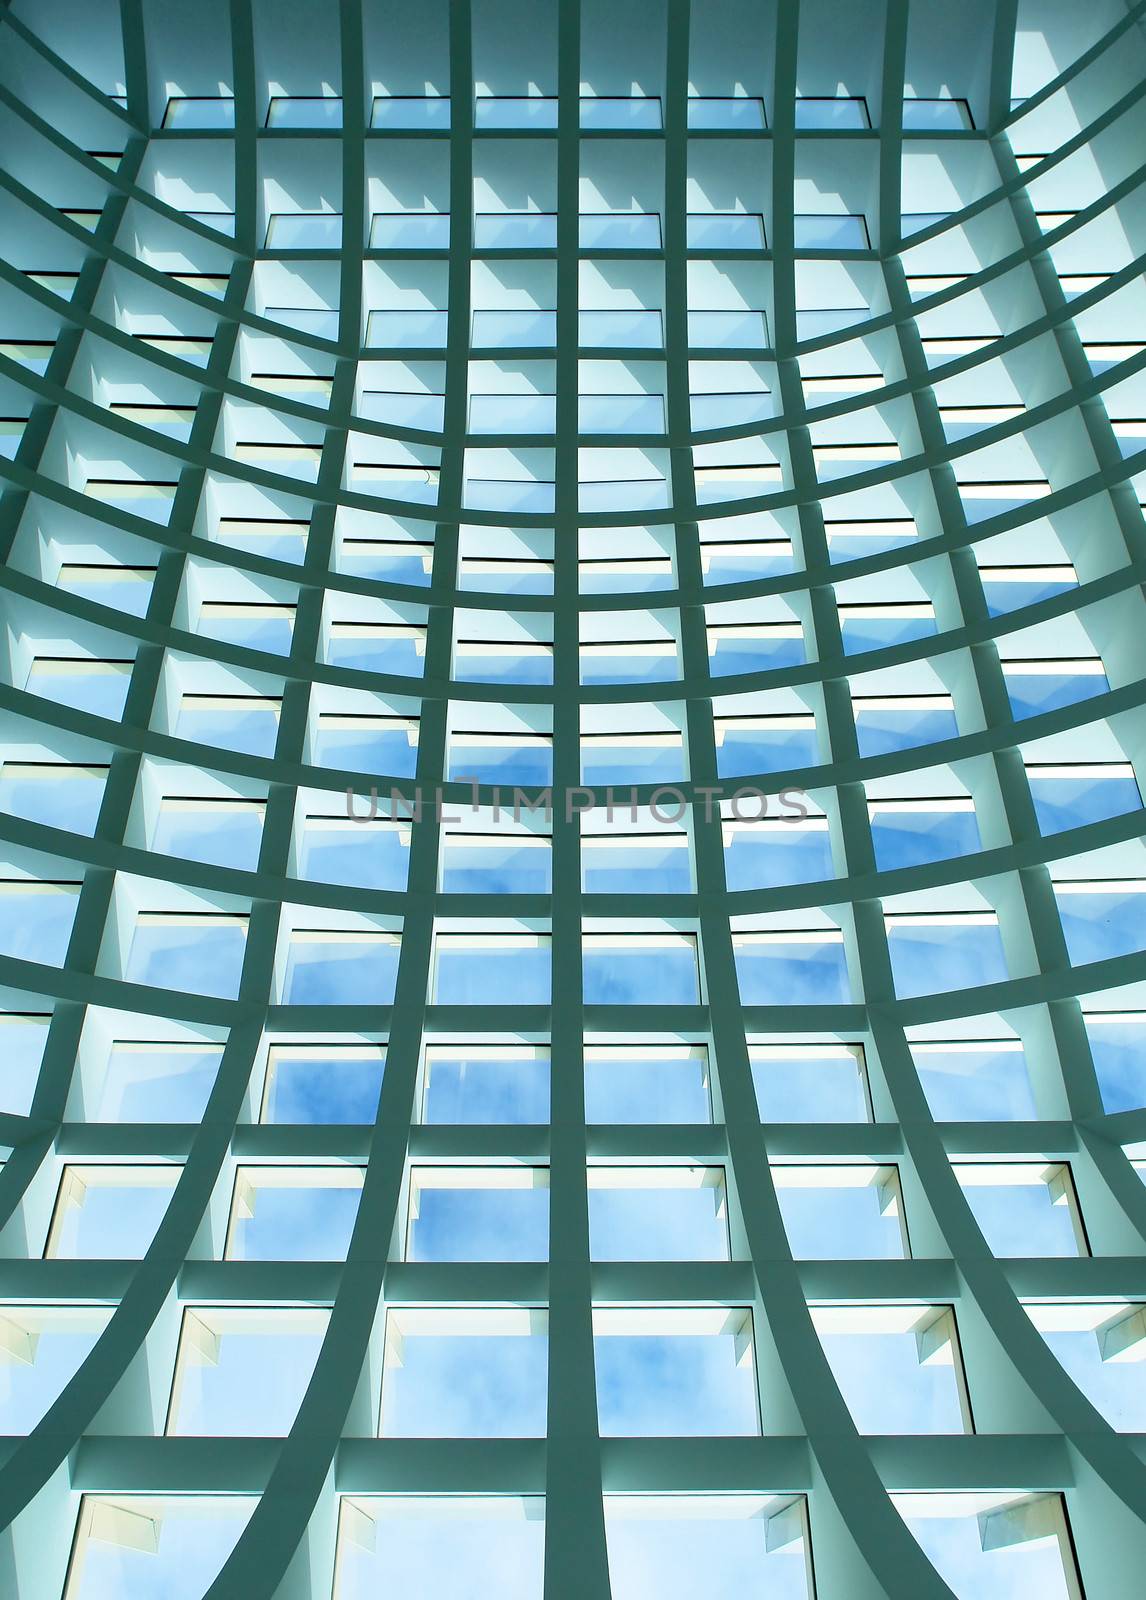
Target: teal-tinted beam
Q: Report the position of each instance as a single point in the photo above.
(576, 1561)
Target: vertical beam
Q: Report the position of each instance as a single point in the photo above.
(576, 1562)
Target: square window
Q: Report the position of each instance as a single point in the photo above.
(1119, 1054)
(491, 969)
(298, 230)
(485, 857)
(658, 1213)
(478, 1214)
(44, 1347)
(768, 853)
(975, 1080)
(1100, 1347)
(106, 1213)
(366, 850)
(200, 952)
(619, 114)
(725, 113)
(995, 1543)
(466, 1547)
(199, 111)
(651, 1083)
(475, 1084)
(842, 1213)
(169, 1547)
(840, 111)
(156, 1081)
(465, 1374)
(1024, 1208)
(56, 793)
(792, 967)
(242, 1372)
(340, 966)
(223, 832)
(245, 723)
(679, 1546)
(1072, 796)
(1101, 919)
(675, 1373)
(640, 969)
(633, 853)
(515, 230)
(810, 1082)
(304, 111)
(909, 833)
(944, 114)
(410, 111)
(837, 232)
(537, 112)
(23, 1038)
(283, 1213)
(898, 1368)
(932, 953)
(36, 919)
(319, 1082)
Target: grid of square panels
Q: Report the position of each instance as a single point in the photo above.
(569, 736)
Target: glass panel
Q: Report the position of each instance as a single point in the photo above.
(407, 111)
(649, 970)
(1024, 1209)
(654, 1084)
(466, 1548)
(1118, 1049)
(340, 968)
(478, 1214)
(303, 231)
(938, 114)
(157, 1082)
(323, 1083)
(198, 953)
(809, 1083)
(1100, 1348)
(242, 1373)
(467, 1374)
(485, 1084)
(675, 1373)
(725, 113)
(511, 970)
(725, 232)
(842, 1213)
(792, 968)
(153, 1548)
(515, 231)
(930, 955)
(410, 231)
(664, 1213)
(620, 231)
(44, 1347)
(839, 112)
(898, 1367)
(510, 111)
(58, 795)
(991, 1543)
(293, 1214)
(679, 1546)
(292, 111)
(831, 233)
(199, 112)
(109, 1213)
(620, 114)
(972, 1080)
